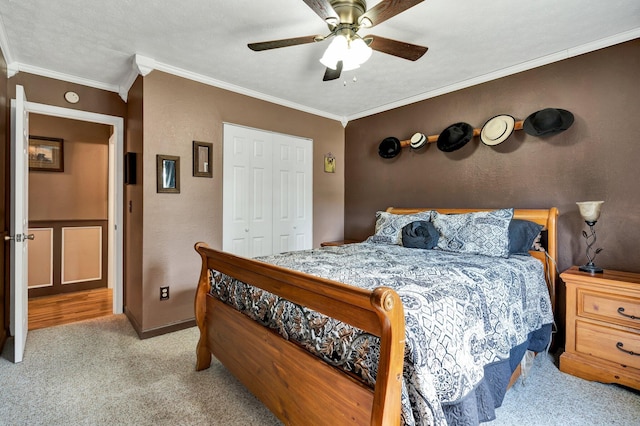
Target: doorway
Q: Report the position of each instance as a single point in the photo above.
(115, 192)
(68, 277)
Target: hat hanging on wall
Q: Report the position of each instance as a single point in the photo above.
(547, 122)
(497, 129)
(455, 137)
(418, 140)
(389, 147)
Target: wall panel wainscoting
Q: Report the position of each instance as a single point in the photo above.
(67, 256)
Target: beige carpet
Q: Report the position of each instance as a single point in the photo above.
(98, 372)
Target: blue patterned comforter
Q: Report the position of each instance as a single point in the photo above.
(462, 313)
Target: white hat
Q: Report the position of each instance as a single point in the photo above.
(418, 140)
(497, 129)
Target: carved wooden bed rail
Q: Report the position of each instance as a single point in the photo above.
(297, 386)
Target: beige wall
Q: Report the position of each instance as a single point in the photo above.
(81, 191)
(176, 112)
(596, 159)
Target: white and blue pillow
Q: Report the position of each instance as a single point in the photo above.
(485, 233)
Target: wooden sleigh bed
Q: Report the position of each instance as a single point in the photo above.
(298, 387)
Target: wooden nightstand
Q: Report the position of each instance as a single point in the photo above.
(338, 243)
(603, 327)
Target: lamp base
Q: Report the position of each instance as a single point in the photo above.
(591, 268)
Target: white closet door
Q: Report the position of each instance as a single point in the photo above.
(247, 191)
(292, 195)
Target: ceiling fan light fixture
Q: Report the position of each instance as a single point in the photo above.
(352, 53)
(335, 52)
(359, 51)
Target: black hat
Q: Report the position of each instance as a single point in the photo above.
(389, 147)
(455, 137)
(547, 122)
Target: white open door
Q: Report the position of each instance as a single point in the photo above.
(19, 222)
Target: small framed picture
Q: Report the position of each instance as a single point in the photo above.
(329, 163)
(202, 159)
(46, 154)
(168, 174)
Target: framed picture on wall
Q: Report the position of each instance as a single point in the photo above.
(202, 159)
(168, 174)
(329, 163)
(46, 154)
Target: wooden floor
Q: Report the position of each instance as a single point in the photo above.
(48, 311)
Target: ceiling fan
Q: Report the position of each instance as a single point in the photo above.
(348, 50)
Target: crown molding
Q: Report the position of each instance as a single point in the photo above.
(137, 67)
(143, 64)
(64, 77)
(12, 69)
(126, 84)
(504, 72)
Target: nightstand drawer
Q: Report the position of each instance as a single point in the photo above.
(609, 307)
(602, 342)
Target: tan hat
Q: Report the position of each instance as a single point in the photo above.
(497, 129)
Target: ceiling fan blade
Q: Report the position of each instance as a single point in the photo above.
(324, 9)
(330, 74)
(401, 49)
(387, 9)
(275, 44)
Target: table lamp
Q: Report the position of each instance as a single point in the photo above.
(590, 211)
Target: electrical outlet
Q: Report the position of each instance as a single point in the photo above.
(164, 293)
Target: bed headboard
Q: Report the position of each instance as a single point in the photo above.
(546, 217)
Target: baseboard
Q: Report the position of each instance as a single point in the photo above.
(146, 334)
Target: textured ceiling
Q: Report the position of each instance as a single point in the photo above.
(94, 42)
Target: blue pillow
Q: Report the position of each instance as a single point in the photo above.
(522, 234)
(420, 234)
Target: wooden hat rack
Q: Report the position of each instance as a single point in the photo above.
(542, 123)
(476, 132)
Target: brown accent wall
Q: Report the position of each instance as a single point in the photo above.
(4, 203)
(50, 91)
(596, 159)
(133, 209)
(81, 190)
(177, 112)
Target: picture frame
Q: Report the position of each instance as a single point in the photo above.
(202, 152)
(329, 163)
(168, 174)
(46, 154)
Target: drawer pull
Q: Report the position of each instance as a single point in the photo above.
(619, 345)
(621, 312)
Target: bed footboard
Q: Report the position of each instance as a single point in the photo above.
(295, 385)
